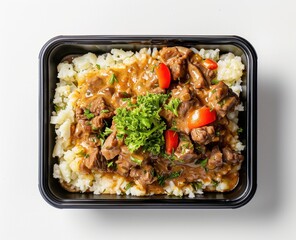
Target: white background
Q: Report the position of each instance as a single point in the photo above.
(26, 25)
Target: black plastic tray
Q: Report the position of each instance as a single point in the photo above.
(57, 48)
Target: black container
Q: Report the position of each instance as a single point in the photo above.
(57, 48)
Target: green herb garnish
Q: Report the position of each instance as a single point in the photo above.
(203, 162)
(215, 183)
(110, 164)
(98, 66)
(184, 147)
(105, 111)
(222, 102)
(113, 79)
(162, 178)
(107, 131)
(136, 160)
(153, 68)
(58, 108)
(94, 128)
(129, 185)
(214, 81)
(196, 185)
(141, 124)
(89, 115)
(174, 175)
(81, 153)
(102, 135)
(174, 126)
(173, 106)
(172, 157)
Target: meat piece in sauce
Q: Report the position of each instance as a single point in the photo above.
(144, 175)
(124, 162)
(231, 156)
(176, 59)
(197, 77)
(98, 111)
(162, 165)
(98, 105)
(222, 99)
(167, 115)
(82, 129)
(111, 147)
(192, 174)
(215, 159)
(93, 160)
(184, 107)
(182, 92)
(157, 90)
(98, 122)
(185, 149)
(79, 113)
(93, 140)
(203, 135)
(208, 74)
(101, 112)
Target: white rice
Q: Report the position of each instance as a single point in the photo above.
(230, 71)
(207, 53)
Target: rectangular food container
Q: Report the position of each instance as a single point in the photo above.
(57, 48)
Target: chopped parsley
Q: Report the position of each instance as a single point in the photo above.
(81, 153)
(129, 185)
(174, 126)
(94, 128)
(102, 135)
(153, 68)
(110, 164)
(215, 81)
(140, 124)
(184, 147)
(222, 102)
(202, 162)
(105, 111)
(107, 131)
(173, 106)
(113, 79)
(215, 183)
(98, 66)
(174, 175)
(196, 185)
(162, 178)
(136, 160)
(58, 108)
(89, 115)
(172, 157)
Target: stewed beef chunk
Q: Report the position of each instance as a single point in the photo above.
(176, 59)
(203, 135)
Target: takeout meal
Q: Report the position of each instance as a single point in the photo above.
(156, 121)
